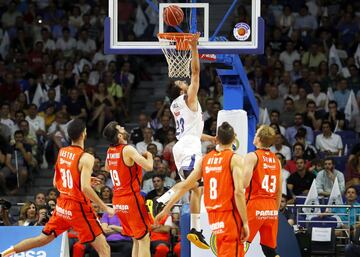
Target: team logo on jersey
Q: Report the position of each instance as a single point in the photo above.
(241, 31)
(62, 161)
(177, 113)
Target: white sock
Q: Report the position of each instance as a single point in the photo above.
(195, 221)
(8, 252)
(166, 197)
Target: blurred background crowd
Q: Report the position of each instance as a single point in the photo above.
(53, 69)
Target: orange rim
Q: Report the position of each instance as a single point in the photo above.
(179, 38)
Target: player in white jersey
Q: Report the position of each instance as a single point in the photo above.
(187, 113)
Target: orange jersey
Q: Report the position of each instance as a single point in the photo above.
(265, 181)
(67, 174)
(218, 181)
(126, 179)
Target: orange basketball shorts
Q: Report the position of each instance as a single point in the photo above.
(133, 215)
(263, 218)
(78, 216)
(226, 225)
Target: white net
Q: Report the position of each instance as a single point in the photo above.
(178, 56)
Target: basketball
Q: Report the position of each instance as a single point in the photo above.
(173, 15)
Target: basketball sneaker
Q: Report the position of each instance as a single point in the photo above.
(198, 239)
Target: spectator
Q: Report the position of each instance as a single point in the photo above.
(85, 45)
(285, 211)
(66, 43)
(161, 171)
(275, 119)
(310, 151)
(161, 133)
(168, 154)
(279, 147)
(137, 134)
(40, 199)
(52, 194)
(51, 102)
(274, 101)
(334, 116)
(353, 171)
(300, 104)
(9, 89)
(306, 24)
(299, 183)
(351, 195)
(106, 194)
(299, 123)
(43, 216)
(74, 106)
(288, 113)
(293, 92)
(317, 96)
(341, 95)
(148, 138)
(286, 20)
(5, 217)
(325, 179)
(159, 189)
(312, 118)
(103, 105)
(328, 142)
(36, 122)
(5, 117)
(284, 173)
(113, 232)
(213, 117)
(28, 214)
(313, 57)
(288, 56)
(298, 152)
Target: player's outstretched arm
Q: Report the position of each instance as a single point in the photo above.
(205, 137)
(237, 167)
(181, 189)
(195, 74)
(250, 163)
(86, 164)
(145, 161)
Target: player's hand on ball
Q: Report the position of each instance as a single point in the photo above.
(244, 233)
(110, 211)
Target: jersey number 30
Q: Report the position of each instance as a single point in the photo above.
(66, 178)
(269, 184)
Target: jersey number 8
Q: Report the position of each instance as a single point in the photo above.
(213, 188)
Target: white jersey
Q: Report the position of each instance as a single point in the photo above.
(187, 121)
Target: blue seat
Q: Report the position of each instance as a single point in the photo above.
(323, 222)
(340, 163)
(348, 137)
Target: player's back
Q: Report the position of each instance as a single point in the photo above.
(187, 121)
(265, 181)
(218, 181)
(126, 179)
(68, 175)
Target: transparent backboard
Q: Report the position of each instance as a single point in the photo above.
(226, 26)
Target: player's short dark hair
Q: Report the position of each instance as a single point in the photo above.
(111, 133)
(75, 129)
(225, 133)
(174, 91)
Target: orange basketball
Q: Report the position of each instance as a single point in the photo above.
(173, 15)
(241, 31)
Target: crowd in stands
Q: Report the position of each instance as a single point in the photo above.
(53, 69)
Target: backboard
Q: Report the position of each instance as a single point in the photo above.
(226, 26)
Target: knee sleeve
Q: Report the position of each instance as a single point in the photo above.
(161, 251)
(269, 252)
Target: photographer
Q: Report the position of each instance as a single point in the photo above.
(5, 219)
(43, 216)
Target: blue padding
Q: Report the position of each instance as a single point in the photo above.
(286, 239)
(184, 230)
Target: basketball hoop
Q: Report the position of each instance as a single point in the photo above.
(176, 49)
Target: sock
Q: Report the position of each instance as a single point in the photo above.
(8, 252)
(166, 197)
(195, 221)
